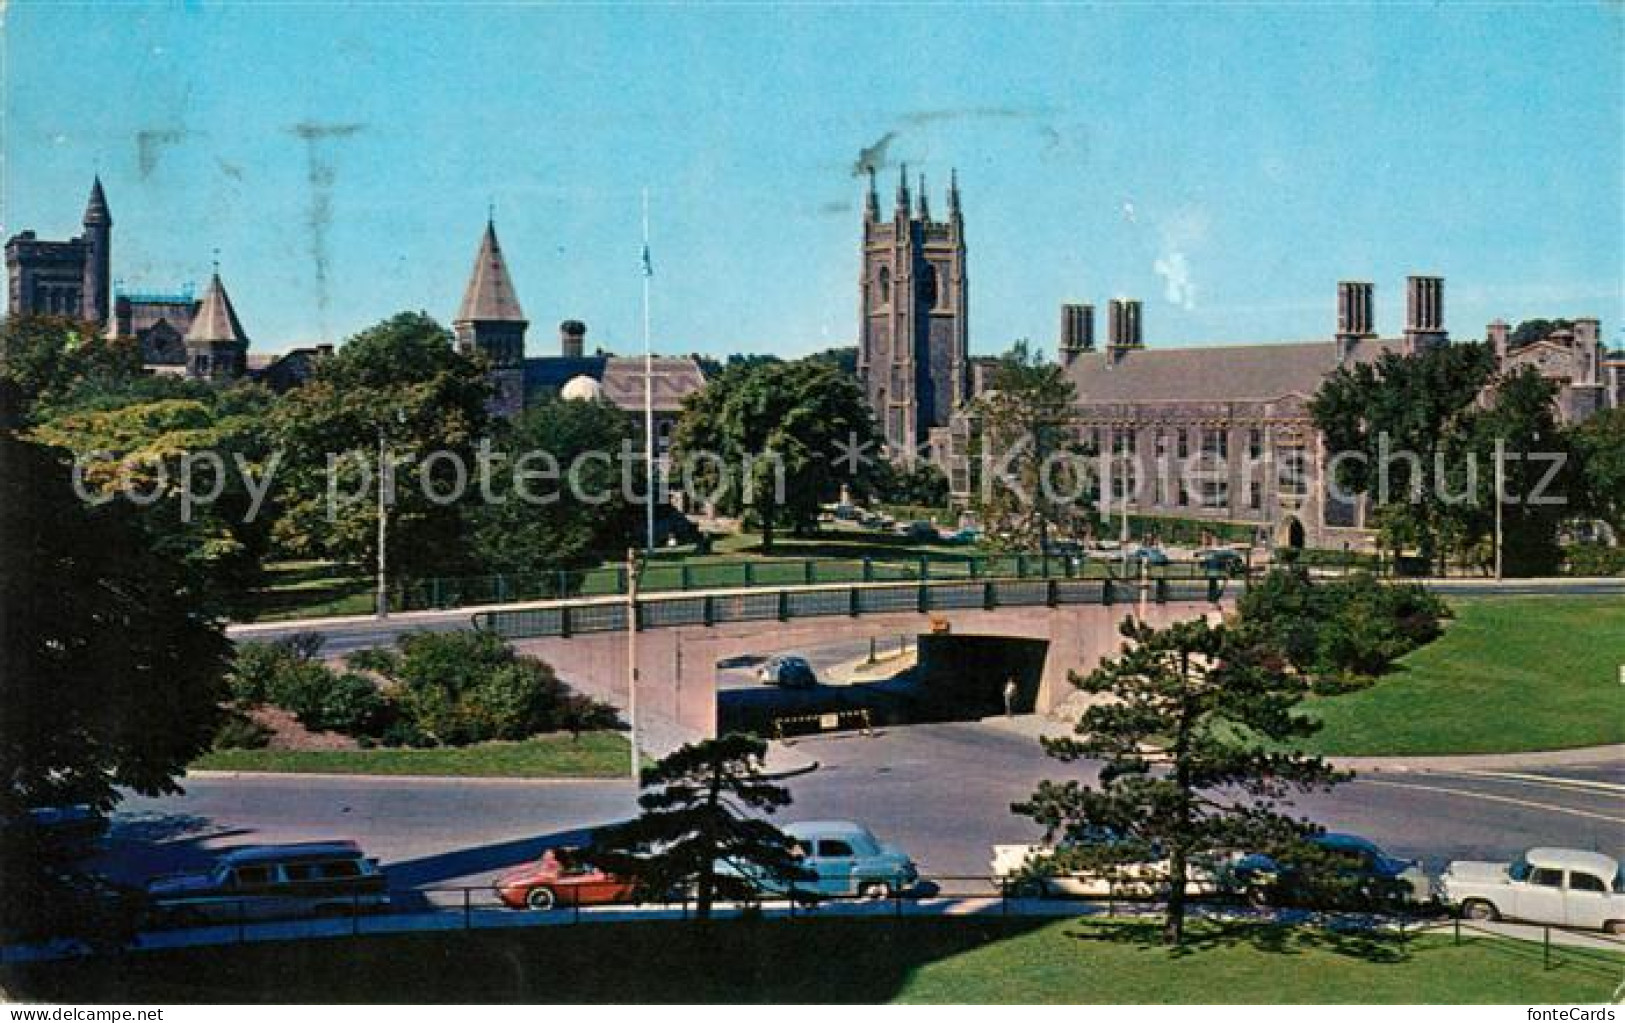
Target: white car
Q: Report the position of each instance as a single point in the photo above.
(1022, 869)
(1570, 887)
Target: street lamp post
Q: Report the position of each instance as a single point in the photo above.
(385, 492)
(383, 525)
(632, 658)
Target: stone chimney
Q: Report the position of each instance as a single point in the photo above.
(1122, 328)
(572, 339)
(1077, 331)
(1354, 319)
(1498, 335)
(1424, 314)
(1588, 342)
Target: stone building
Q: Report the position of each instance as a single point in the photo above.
(64, 278)
(490, 320)
(913, 351)
(177, 333)
(1222, 433)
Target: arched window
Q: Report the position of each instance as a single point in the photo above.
(883, 281)
(928, 285)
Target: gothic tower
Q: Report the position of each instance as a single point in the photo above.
(216, 346)
(912, 327)
(98, 240)
(490, 321)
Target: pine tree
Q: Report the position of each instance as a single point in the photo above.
(697, 815)
(1189, 737)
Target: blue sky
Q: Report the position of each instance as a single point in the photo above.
(1226, 164)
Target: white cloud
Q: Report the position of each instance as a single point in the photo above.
(1175, 272)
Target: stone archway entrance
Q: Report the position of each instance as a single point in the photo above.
(1291, 533)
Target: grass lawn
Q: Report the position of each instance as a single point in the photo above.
(1509, 674)
(928, 960)
(594, 755)
(309, 589)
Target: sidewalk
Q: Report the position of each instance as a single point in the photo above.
(1036, 726)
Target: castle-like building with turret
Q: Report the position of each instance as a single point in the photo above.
(1217, 433)
(176, 332)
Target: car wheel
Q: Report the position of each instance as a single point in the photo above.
(1614, 927)
(874, 890)
(541, 899)
(1478, 909)
(1257, 896)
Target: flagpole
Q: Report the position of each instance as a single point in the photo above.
(648, 392)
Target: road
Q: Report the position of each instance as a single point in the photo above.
(941, 792)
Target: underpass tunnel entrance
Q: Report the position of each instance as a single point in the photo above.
(964, 678)
(780, 683)
(897, 679)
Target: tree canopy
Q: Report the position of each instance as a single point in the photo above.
(775, 439)
(1032, 463)
(1410, 419)
(402, 382)
(564, 523)
(700, 807)
(1189, 736)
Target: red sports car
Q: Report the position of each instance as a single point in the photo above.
(549, 883)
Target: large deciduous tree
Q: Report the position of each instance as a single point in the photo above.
(399, 383)
(575, 507)
(1541, 487)
(774, 439)
(50, 358)
(1599, 444)
(1409, 421)
(1033, 474)
(111, 674)
(1188, 734)
(699, 811)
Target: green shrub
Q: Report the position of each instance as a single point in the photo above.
(1595, 559)
(463, 687)
(1352, 626)
(239, 731)
(353, 705)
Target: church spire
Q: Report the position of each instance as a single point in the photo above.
(902, 191)
(490, 296)
(871, 202)
(925, 200)
(953, 192)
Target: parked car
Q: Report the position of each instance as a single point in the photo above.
(272, 881)
(71, 832)
(1221, 561)
(919, 530)
(788, 671)
(1150, 555)
(1025, 871)
(550, 882)
(1362, 872)
(1570, 887)
(846, 859)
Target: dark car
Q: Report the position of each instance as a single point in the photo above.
(789, 671)
(1221, 561)
(70, 831)
(1336, 869)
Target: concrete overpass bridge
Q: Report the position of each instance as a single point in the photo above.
(681, 638)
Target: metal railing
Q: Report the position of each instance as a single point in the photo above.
(922, 597)
(483, 907)
(744, 573)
